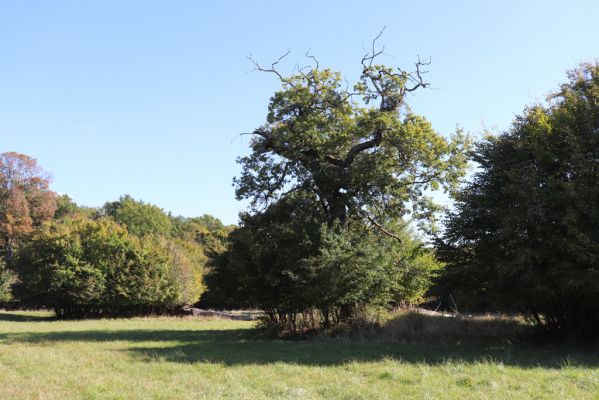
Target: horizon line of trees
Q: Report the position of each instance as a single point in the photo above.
(337, 179)
(122, 259)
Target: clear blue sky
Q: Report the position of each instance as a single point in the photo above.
(147, 98)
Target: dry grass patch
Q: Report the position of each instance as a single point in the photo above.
(420, 325)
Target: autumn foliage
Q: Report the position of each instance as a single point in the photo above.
(25, 199)
(125, 258)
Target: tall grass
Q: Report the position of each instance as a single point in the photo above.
(418, 325)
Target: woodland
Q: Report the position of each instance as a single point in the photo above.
(341, 223)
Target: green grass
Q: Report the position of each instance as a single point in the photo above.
(170, 358)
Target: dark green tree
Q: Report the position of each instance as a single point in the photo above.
(525, 232)
(65, 206)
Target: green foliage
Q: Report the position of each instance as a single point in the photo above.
(288, 263)
(330, 177)
(187, 260)
(139, 218)
(262, 266)
(359, 267)
(66, 207)
(525, 234)
(97, 265)
(195, 358)
(358, 159)
(129, 257)
(207, 231)
(7, 279)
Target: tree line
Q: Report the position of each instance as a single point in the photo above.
(341, 218)
(125, 258)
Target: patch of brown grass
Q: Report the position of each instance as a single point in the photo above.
(416, 325)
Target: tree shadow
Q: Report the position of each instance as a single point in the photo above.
(246, 347)
(328, 353)
(24, 317)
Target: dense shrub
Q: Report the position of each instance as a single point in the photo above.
(82, 267)
(299, 271)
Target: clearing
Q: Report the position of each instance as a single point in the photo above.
(194, 358)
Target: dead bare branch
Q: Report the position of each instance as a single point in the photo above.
(308, 55)
(418, 79)
(272, 69)
(371, 55)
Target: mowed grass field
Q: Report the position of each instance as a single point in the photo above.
(172, 358)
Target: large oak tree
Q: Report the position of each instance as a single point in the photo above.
(331, 175)
(359, 150)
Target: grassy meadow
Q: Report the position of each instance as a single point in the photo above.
(192, 358)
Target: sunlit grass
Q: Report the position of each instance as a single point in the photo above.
(171, 358)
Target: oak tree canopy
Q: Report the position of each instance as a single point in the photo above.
(358, 150)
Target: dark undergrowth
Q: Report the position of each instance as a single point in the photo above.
(243, 346)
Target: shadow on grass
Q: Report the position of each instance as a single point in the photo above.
(245, 347)
(25, 317)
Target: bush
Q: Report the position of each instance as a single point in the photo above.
(302, 273)
(86, 268)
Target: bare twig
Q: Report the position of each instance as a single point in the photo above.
(308, 55)
(371, 55)
(272, 69)
(418, 79)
